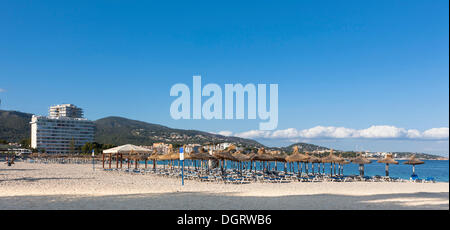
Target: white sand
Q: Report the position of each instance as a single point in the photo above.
(64, 186)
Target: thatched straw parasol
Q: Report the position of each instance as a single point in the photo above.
(154, 157)
(262, 156)
(123, 149)
(165, 157)
(298, 157)
(240, 156)
(280, 156)
(202, 156)
(312, 159)
(413, 161)
(361, 161)
(332, 159)
(224, 155)
(388, 160)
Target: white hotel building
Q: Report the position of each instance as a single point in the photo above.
(63, 131)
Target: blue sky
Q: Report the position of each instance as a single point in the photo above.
(350, 64)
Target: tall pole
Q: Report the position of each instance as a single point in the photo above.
(182, 163)
(93, 163)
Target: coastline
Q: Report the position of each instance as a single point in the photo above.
(77, 186)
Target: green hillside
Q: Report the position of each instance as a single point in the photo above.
(118, 130)
(14, 126)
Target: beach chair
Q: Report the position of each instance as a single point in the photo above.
(304, 179)
(430, 180)
(415, 178)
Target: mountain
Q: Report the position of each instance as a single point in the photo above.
(119, 130)
(303, 147)
(14, 126)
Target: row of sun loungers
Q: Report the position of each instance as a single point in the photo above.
(245, 177)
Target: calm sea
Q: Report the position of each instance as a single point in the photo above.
(432, 168)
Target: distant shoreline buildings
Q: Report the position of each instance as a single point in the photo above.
(63, 131)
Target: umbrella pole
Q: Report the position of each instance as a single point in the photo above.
(103, 157)
(414, 169)
(387, 170)
(363, 170)
(110, 158)
(117, 160)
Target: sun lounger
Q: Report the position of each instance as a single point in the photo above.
(415, 178)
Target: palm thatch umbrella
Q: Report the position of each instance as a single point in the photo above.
(240, 158)
(413, 161)
(313, 160)
(250, 157)
(263, 157)
(388, 160)
(342, 163)
(201, 156)
(361, 161)
(279, 156)
(224, 155)
(165, 157)
(298, 157)
(332, 159)
(154, 157)
(128, 149)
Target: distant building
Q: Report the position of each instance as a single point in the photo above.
(65, 110)
(63, 131)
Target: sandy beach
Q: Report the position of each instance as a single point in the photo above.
(77, 186)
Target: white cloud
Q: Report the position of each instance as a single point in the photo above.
(373, 132)
(436, 133)
(285, 133)
(327, 132)
(382, 131)
(2, 90)
(254, 134)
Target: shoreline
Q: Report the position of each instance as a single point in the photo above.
(77, 186)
